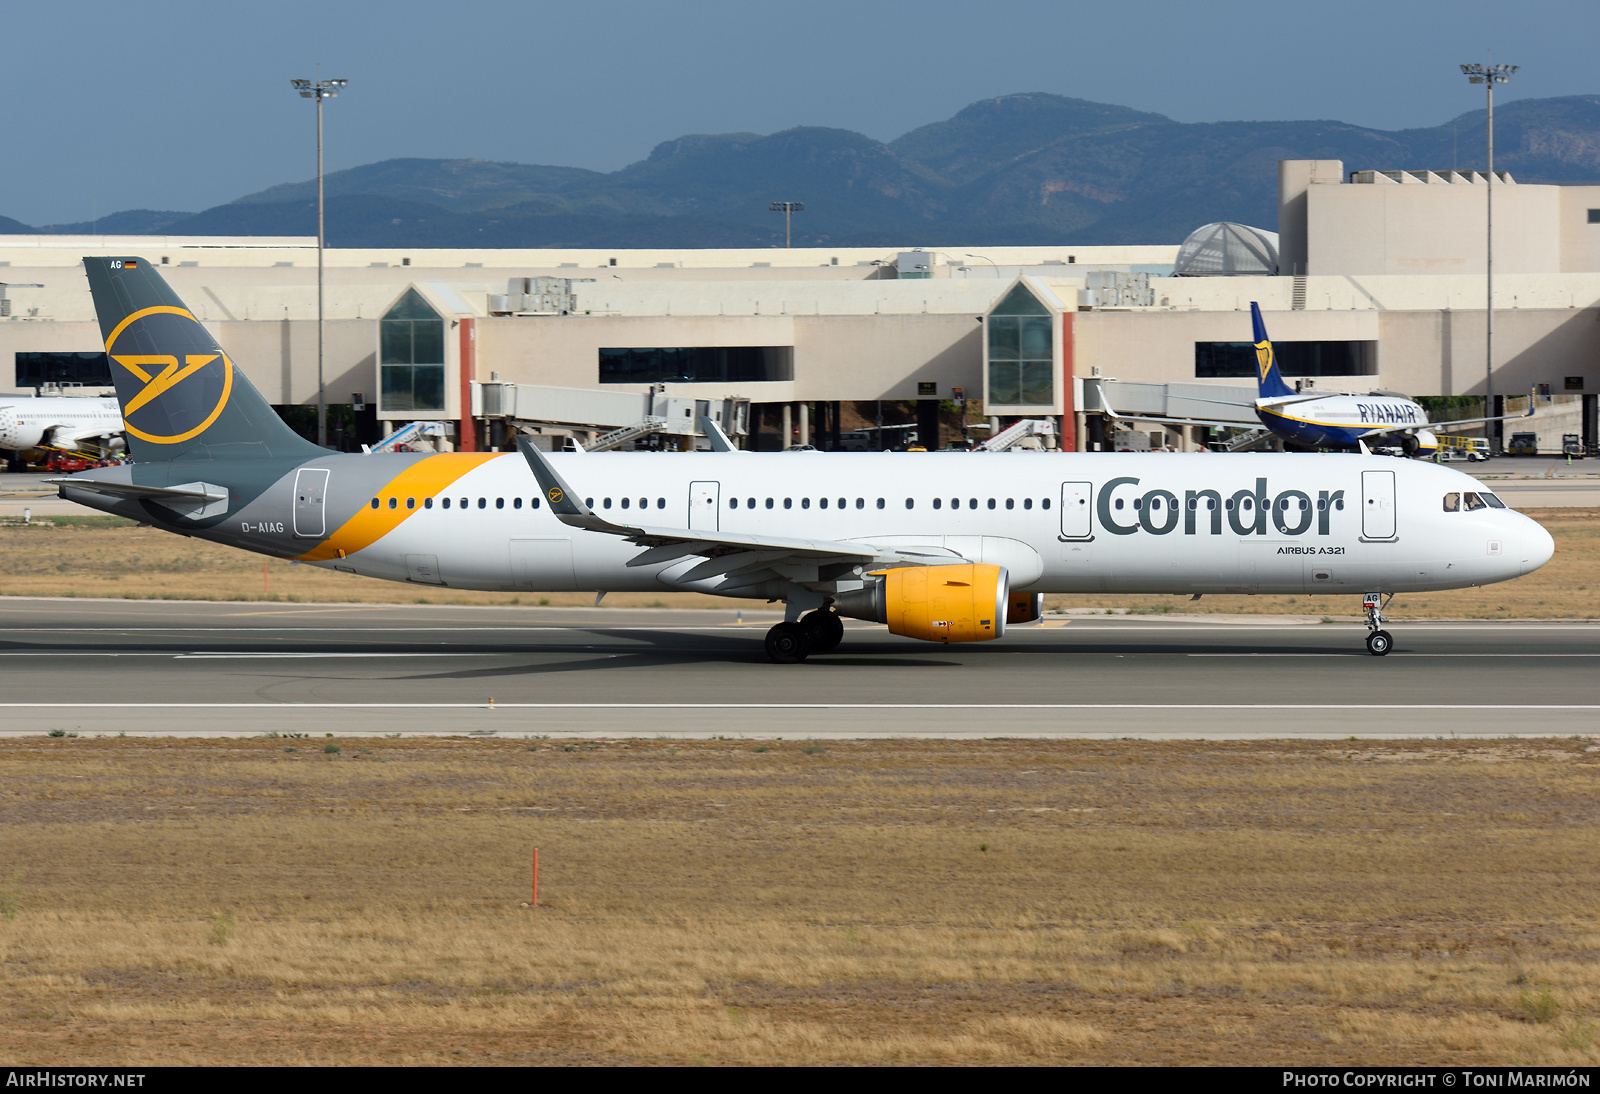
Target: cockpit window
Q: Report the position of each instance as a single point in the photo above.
(1452, 502)
(1494, 502)
(1472, 501)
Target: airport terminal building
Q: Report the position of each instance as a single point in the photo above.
(1373, 280)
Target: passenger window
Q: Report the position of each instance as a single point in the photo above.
(661, 503)
(880, 503)
(1138, 504)
(427, 503)
(1010, 504)
(374, 503)
(533, 503)
(841, 503)
(627, 501)
(1339, 504)
(500, 503)
(805, 503)
(1228, 505)
(1118, 503)
(972, 503)
(937, 502)
(606, 504)
(465, 502)
(1471, 501)
(1194, 503)
(411, 503)
(861, 503)
(446, 502)
(1027, 503)
(822, 503)
(991, 503)
(788, 503)
(516, 503)
(483, 503)
(1044, 503)
(1211, 504)
(588, 503)
(910, 504)
(769, 503)
(393, 503)
(1322, 503)
(1249, 504)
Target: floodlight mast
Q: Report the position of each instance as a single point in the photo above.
(1488, 76)
(320, 90)
(788, 209)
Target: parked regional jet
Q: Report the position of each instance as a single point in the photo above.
(1314, 419)
(60, 422)
(938, 548)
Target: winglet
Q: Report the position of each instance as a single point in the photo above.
(564, 503)
(719, 440)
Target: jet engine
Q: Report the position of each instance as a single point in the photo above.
(966, 602)
(1024, 607)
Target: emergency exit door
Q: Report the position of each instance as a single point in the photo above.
(1077, 510)
(310, 490)
(704, 501)
(1377, 505)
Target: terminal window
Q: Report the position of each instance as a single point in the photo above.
(1594, 216)
(1222, 360)
(89, 369)
(696, 364)
(411, 356)
(1021, 364)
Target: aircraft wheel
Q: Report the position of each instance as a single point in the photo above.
(1379, 643)
(788, 643)
(824, 628)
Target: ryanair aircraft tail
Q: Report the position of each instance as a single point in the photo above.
(1269, 379)
(180, 393)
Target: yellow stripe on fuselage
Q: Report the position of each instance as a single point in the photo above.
(423, 479)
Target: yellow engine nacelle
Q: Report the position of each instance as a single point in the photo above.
(966, 602)
(1024, 607)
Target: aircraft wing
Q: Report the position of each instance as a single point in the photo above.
(1181, 421)
(740, 560)
(1446, 427)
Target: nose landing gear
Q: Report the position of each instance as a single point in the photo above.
(1379, 641)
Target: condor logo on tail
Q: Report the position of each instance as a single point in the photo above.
(172, 396)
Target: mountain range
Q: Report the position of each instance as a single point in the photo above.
(1020, 169)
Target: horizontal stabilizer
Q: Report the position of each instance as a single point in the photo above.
(195, 500)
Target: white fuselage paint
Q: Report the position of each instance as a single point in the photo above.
(1375, 541)
(61, 421)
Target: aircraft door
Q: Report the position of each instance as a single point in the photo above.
(310, 494)
(1377, 505)
(704, 503)
(1077, 510)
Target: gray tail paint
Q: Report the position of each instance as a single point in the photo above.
(181, 395)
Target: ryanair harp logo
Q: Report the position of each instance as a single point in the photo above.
(173, 380)
(1263, 358)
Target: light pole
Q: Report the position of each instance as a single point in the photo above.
(990, 261)
(321, 89)
(788, 209)
(1489, 75)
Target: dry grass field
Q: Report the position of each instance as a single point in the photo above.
(724, 902)
(107, 557)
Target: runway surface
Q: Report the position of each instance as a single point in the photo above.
(144, 667)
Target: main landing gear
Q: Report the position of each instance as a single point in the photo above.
(1379, 641)
(814, 632)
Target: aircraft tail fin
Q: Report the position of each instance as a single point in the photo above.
(180, 394)
(1269, 380)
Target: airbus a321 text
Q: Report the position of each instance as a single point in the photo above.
(943, 548)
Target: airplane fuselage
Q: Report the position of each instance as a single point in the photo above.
(1340, 421)
(63, 421)
(1158, 523)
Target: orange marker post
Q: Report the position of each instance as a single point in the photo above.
(535, 877)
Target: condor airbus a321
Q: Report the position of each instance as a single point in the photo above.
(944, 548)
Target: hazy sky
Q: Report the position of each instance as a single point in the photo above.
(173, 104)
